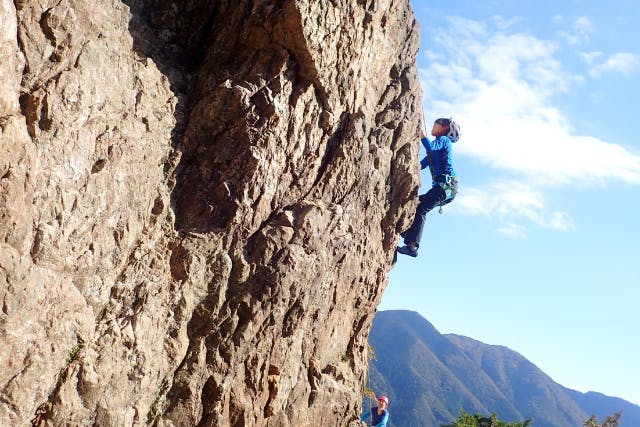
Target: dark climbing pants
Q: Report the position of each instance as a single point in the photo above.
(428, 201)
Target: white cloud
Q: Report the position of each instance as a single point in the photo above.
(621, 62)
(504, 24)
(578, 32)
(561, 221)
(591, 57)
(583, 25)
(511, 202)
(515, 231)
(500, 87)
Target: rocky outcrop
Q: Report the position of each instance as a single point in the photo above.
(199, 204)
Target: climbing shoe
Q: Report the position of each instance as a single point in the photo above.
(411, 250)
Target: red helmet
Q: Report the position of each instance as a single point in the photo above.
(385, 399)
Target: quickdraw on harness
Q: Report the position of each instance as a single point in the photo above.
(449, 184)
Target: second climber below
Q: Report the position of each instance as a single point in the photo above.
(439, 159)
(378, 416)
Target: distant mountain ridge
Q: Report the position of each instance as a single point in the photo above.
(430, 377)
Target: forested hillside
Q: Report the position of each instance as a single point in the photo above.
(430, 377)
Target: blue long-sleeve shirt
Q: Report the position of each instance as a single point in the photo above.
(439, 158)
(377, 420)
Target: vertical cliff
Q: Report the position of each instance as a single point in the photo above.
(199, 204)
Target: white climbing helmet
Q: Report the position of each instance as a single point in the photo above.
(454, 130)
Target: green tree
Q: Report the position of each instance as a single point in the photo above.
(609, 421)
(468, 420)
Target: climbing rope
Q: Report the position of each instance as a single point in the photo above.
(370, 399)
(368, 390)
(424, 123)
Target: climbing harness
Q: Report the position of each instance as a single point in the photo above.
(449, 184)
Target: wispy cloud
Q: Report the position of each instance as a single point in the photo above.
(578, 32)
(515, 231)
(582, 25)
(510, 203)
(621, 62)
(503, 24)
(591, 57)
(500, 86)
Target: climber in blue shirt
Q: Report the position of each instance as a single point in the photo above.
(378, 415)
(445, 185)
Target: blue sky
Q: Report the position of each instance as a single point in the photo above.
(540, 252)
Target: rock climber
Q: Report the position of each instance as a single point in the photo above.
(378, 416)
(445, 185)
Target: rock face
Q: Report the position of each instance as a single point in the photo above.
(199, 204)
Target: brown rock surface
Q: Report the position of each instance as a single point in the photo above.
(199, 204)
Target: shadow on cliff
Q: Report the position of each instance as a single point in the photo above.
(174, 35)
(195, 45)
